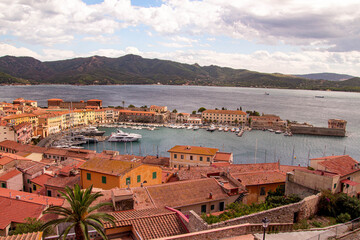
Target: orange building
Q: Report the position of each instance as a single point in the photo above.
(110, 173)
(191, 156)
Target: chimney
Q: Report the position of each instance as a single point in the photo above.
(210, 195)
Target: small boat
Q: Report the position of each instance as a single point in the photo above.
(211, 128)
(278, 132)
(233, 130)
(319, 96)
(288, 134)
(221, 129)
(241, 133)
(271, 130)
(190, 127)
(196, 128)
(226, 129)
(121, 136)
(266, 93)
(237, 130)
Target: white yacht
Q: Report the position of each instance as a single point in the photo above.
(196, 128)
(121, 136)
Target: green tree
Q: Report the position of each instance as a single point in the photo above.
(200, 110)
(174, 111)
(131, 106)
(31, 225)
(80, 215)
(193, 112)
(145, 106)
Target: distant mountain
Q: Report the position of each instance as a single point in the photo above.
(326, 76)
(132, 69)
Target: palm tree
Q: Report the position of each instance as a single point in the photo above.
(80, 213)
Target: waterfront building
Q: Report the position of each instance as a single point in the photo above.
(224, 116)
(181, 156)
(49, 123)
(182, 117)
(12, 179)
(334, 173)
(24, 102)
(20, 118)
(194, 120)
(59, 103)
(268, 121)
(100, 116)
(111, 173)
(158, 109)
(21, 133)
(136, 116)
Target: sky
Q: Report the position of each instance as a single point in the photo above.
(283, 36)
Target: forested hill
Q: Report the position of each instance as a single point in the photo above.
(132, 69)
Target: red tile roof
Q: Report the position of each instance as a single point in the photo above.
(342, 165)
(6, 160)
(260, 178)
(223, 156)
(194, 150)
(16, 211)
(42, 179)
(186, 193)
(25, 236)
(150, 223)
(347, 181)
(10, 174)
(237, 112)
(30, 197)
(62, 182)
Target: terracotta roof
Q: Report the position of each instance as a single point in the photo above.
(342, 165)
(18, 147)
(111, 167)
(30, 197)
(25, 236)
(238, 112)
(129, 111)
(10, 211)
(289, 168)
(22, 125)
(150, 223)
(55, 99)
(223, 156)
(94, 100)
(259, 178)
(347, 181)
(317, 172)
(185, 193)
(194, 150)
(30, 167)
(163, 161)
(62, 182)
(41, 180)
(6, 160)
(10, 174)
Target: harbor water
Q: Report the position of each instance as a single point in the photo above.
(254, 146)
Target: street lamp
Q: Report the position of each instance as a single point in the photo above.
(265, 223)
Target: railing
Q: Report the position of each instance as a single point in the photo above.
(337, 230)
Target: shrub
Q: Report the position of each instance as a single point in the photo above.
(317, 224)
(343, 217)
(303, 224)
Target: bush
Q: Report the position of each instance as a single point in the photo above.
(343, 217)
(317, 224)
(303, 224)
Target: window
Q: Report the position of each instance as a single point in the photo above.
(103, 179)
(34, 187)
(28, 181)
(3, 185)
(201, 158)
(208, 159)
(262, 191)
(212, 207)
(88, 176)
(154, 175)
(175, 155)
(138, 178)
(128, 181)
(203, 208)
(49, 193)
(334, 185)
(182, 156)
(191, 158)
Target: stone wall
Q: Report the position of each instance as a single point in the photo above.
(285, 214)
(294, 188)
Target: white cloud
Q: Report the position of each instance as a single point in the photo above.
(6, 49)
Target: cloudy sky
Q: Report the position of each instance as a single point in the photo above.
(286, 36)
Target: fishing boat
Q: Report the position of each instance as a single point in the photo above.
(266, 93)
(319, 96)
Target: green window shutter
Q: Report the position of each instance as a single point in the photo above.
(128, 181)
(138, 178)
(3, 185)
(88, 176)
(154, 175)
(103, 179)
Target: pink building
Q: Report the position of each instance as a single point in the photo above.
(21, 133)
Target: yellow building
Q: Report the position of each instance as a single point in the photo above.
(224, 116)
(50, 123)
(108, 174)
(100, 116)
(191, 155)
(20, 118)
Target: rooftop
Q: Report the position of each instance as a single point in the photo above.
(185, 193)
(150, 223)
(30, 197)
(223, 156)
(62, 182)
(10, 174)
(194, 150)
(342, 165)
(259, 178)
(41, 180)
(25, 236)
(237, 112)
(107, 166)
